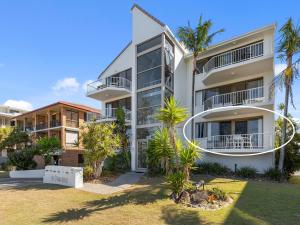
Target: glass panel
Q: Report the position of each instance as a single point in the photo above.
(142, 146)
(145, 133)
(241, 127)
(149, 60)
(149, 78)
(215, 128)
(149, 44)
(201, 130)
(198, 98)
(254, 83)
(149, 98)
(147, 115)
(253, 126)
(225, 128)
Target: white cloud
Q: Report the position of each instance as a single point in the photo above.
(66, 85)
(20, 104)
(84, 85)
(279, 68)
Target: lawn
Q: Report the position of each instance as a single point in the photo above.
(148, 203)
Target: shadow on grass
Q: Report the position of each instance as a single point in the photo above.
(138, 196)
(266, 203)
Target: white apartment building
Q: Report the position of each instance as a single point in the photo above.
(6, 113)
(154, 65)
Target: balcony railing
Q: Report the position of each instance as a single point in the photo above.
(41, 126)
(111, 114)
(238, 141)
(55, 123)
(248, 96)
(119, 82)
(234, 56)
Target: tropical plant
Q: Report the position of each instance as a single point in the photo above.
(213, 169)
(87, 173)
(218, 193)
(292, 155)
(288, 47)
(22, 159)
(100, 142)
(171, 115)
(121, 129)
(247, 172)
(272, 174)
(188, 157)
(160, 152)
(4, 133)
(46, 147)
(196, 40)
(176, 183)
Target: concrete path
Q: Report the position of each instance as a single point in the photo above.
(121, 183)
(17, 182)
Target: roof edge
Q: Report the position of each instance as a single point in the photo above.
(148, 14)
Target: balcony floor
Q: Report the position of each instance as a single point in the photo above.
(108, 93)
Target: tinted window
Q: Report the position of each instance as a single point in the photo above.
(149, 78)
(149, 60)
(149, 98)
(149, 44)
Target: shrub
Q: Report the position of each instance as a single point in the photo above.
(6, 166)
(273, 174)
(22, 159)
(87, 173)
(176, 182)
(213, 168)
(247, 172)
(118, 162)
(218, 193)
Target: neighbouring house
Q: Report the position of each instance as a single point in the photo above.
(6, 113)
(154, 65)
(62, 120)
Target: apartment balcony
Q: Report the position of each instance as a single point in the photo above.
(41, 126)
(109, 88)
(238, 143)
(251, 97)
(72, 123)
(110, 115)
(55, 123)
(233, 64)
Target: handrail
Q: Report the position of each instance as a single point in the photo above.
(111, 113)
(238, 141)
(242, 97)
(234, 56)
(119, 82)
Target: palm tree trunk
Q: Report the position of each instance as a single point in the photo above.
(285, 113)
(173, 139)
(193, 95)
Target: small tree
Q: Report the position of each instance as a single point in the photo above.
(46, 147)
(100, 142)
(13, 138)
(171, 115)
(121, 130)
(22, 159)
(160, 152)
(188, 157)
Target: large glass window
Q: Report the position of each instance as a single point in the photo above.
(149, 78)
(149, 60)
(169, 64)
(201, 130)
(145, 133)
(148, 103)
(149, 44)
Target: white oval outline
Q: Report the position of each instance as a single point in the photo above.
(239, 107)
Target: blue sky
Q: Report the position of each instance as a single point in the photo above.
(50, 49)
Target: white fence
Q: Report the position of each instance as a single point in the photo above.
(64, 175)
(27, 174)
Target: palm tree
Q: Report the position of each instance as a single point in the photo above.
(196, 40)
(289, 46)
(171, 115)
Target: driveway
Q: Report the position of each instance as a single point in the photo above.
(17, 182)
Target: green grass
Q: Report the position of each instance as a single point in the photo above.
(148, 203)
(294, 180)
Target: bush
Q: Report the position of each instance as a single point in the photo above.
(22, 159)
(118, 162)
(218, 193)
(176, 182)
(273, 174)
(6, 166)
(247, 172)
(87, 173)
(213, 168)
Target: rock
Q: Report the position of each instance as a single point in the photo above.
(199, 196)
(185, 198)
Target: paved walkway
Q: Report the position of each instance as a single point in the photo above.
(121, 183)
(17, 182)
